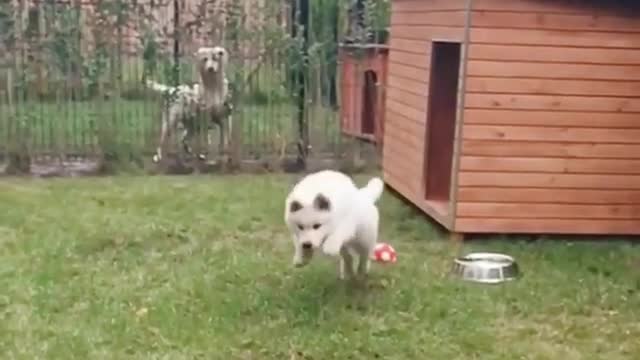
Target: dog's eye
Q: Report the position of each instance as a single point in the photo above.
(316, 226)
(301, 227)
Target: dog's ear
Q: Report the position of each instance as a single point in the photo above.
(321, 203)
(294, 206)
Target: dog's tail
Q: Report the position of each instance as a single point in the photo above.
(373, 189)
(156, 86)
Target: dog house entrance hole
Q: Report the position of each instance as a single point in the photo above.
(369, 102)
(441, 121)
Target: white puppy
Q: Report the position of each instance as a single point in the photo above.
(326, 211)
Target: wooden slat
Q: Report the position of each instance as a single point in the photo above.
(415, 86)
(550, 165)
(437, 18)
(550, 196)
(560, 54)
(401, 144)
(397, 138)
(575, 22)
(404, 127)
(392, 117)
(413, 194)
(397, 182)
(548, 149)
(405, 156)
(402, 170)
(410, 46)
(553, 86)
(400, 136)
(551, 181)
(403, 184)
(547, 211)
(408, 112)
(552, 70)
(555, 38)
(552, 102)
(418, 102)
(428, 33)
(510, 164)
(431, 5)
(548, 226)
(411, 59)
(408, 72)
(551, 118)
(397, 163)
(558, 134)
(554, 7)
(408, 155)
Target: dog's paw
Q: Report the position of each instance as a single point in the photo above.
(302, 258)
(345, 275)
(299, 262)
(331, 248)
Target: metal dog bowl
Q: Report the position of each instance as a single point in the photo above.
(487, 268)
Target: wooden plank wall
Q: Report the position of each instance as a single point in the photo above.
(414, 23)
(551, 136)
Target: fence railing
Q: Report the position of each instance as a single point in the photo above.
(71, 77)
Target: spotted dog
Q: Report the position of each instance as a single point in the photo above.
(185, 105)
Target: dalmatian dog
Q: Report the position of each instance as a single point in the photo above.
(187, 106)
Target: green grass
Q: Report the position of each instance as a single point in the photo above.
(199, 267)
(76, 126)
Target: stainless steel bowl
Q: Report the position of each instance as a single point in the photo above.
(485, 267)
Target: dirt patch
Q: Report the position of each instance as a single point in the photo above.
(47, 167)
(56, 168)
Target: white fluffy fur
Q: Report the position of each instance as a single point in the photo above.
(329, 213)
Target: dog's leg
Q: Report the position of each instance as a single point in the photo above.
(298, 259)
(369, 240)
(228, 131)
(364, 264)
(334, 242)
(187, 135)
(201, 125)
(163, 135)
(221, 145)
(209, 141)
(346, 264)
(198, 145)
(300, 256)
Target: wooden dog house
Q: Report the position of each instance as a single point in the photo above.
(363, 76)
(516, 116)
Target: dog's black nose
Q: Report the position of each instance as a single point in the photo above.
(306, 246)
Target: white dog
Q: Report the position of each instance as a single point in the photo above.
(326, 211)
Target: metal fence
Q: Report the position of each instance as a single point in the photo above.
(72, 71)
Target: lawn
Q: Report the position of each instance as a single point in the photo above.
(199, 268)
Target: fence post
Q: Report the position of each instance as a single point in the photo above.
(19, 157)
(236, 130)
(176, 42)
(300, 19)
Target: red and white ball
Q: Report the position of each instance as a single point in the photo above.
(384, 253)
